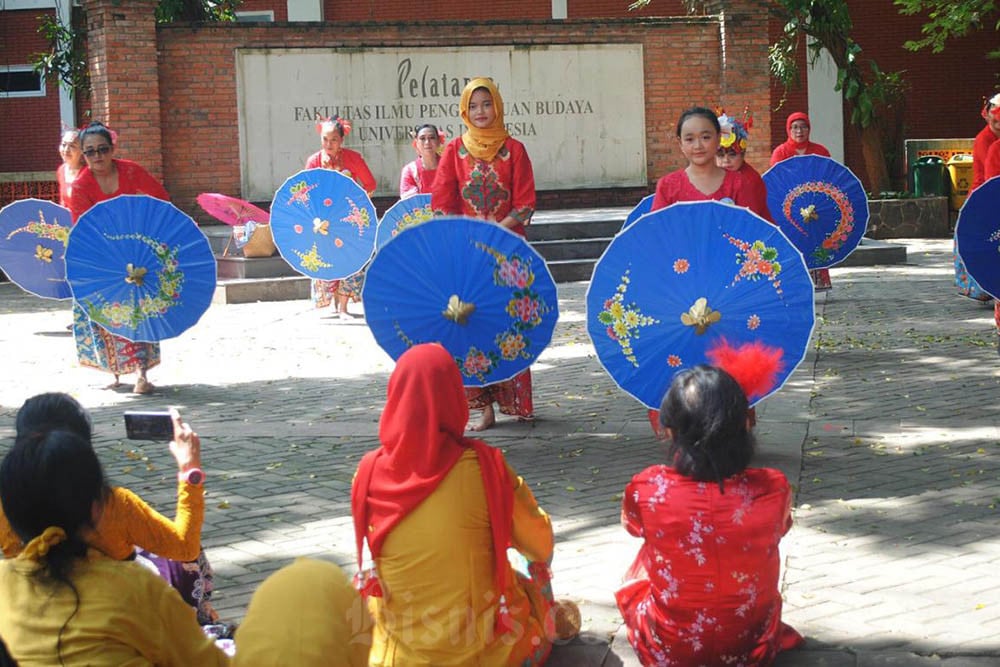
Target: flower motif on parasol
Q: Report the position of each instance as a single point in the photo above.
(476, 288)
(403, 214)
(820, 205)
(322, 221)
(140, 268)
(671, 286)
(978, 236)
(33, 238)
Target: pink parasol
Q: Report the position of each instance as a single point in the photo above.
(231, 210)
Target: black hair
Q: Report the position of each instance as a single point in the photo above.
(98, 128)
(53, 411)
(706, 412)
(433, 127)
(53, 478)
(699, 111)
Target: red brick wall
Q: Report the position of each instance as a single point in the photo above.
(29, 133)
(125, 87)
(198, 82)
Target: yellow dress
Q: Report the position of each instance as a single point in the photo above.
(125, 616)
(436, 572)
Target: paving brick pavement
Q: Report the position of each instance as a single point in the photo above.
(888, 430)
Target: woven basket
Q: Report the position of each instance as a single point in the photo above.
(261, 243)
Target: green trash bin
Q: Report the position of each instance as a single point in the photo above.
(929, 177)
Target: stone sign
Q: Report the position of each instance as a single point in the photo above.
(578, 109)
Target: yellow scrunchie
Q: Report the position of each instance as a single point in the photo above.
(483, 143)
(39, 547)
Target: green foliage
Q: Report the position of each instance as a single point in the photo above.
(947, 19)
(66, 59)
(169, 11)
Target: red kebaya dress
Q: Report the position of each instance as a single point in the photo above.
(676, 186)
(490, 190)
(755, 192)
(96, 346)
(349, 163)
(65, 185)
(415, 180)
(703, 589)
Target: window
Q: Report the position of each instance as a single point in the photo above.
(21, 81)
(255, 17)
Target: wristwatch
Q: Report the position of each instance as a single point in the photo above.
(193, 476)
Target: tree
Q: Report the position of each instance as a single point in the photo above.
(66, 59)
(871, 95)
(948, 19)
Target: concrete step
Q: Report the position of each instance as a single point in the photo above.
(576, 224)
(871, 252)
(261, 289)
(239, 268)
(571, 248)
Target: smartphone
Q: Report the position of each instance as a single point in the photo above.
(152, 425)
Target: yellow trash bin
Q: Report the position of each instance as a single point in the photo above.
(960, 171)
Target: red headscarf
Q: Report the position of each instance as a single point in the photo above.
(798, 115)
(422, 437)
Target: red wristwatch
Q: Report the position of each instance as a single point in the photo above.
(193, 476)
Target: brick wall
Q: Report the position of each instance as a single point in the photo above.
(29, 133)
(124, 78)
(198, 83)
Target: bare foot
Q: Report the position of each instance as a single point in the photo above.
(114, 385)
(489, 419)
(143, 386)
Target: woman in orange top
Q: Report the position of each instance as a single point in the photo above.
(126, 521)
(438, 511)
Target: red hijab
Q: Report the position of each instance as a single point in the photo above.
(422, 437)
(798, 115)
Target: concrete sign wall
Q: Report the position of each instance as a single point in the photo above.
(579, 109)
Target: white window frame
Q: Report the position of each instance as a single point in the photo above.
(23, 93)
(261, 16)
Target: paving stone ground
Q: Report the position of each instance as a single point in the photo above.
(888, 429)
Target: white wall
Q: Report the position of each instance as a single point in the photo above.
(826, 106)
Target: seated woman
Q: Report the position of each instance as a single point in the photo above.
(306, 614)
(126, 521)
(64, 604)
(438, 511)
(703, 589)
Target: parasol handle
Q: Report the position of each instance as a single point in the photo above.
(458, 311)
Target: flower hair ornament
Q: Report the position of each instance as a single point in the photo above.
(992, 107)
(332, 123)
(754, 366)
(39, 547)
(735, 132)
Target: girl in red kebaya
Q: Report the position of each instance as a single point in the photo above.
(417, 177)
(73, 164)
(486, 174)
(703, 589)
(733, 146)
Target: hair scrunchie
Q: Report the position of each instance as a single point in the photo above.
(39, 547)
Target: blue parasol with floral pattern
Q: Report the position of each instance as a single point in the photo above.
(477, 289)
(140, 268)
(401, 215)
(977, 234)
(323, 224)
(820, 205)
(642, 208)
(33, 237)
(682, 279)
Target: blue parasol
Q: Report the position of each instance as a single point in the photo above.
(978, 235)
(323, 224)
(140, 268)
(404, 213)
(476, 288)
(33, 237)
(644, 206)
(681, 278)
(820, 205)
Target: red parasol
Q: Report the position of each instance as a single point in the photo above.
(231, 210)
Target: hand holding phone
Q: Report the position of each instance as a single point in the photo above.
(185, 445)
